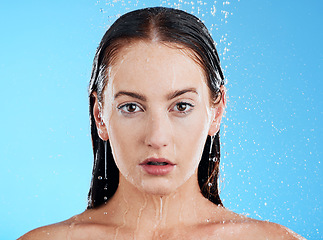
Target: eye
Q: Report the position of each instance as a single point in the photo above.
(183, 107)
(129, 108)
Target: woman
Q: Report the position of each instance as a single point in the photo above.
(156, 100)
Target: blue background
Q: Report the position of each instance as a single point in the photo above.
(271, 135)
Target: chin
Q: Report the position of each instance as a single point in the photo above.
(160, 187)
(159, 192)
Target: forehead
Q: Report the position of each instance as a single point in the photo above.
(145, 65)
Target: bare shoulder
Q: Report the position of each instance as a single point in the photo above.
(82, 226)
(268, 230)
(236, 226)
(49, 232)
(248, 228)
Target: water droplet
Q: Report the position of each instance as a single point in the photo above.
(213, 10)
(100, 177)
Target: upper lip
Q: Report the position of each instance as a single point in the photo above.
(156, 160)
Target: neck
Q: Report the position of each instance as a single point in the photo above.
(135, 209)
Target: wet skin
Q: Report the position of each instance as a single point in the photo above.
(157, 111)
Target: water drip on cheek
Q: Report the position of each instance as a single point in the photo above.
(173, 140)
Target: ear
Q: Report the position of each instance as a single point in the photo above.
(218, 111)
(99, 122)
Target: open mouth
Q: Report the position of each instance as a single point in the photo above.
(157, 166)
(157, 163)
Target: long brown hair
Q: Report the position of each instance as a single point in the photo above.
(169, 26)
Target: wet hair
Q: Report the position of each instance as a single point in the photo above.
(174, 28)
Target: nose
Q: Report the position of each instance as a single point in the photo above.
(158, 131)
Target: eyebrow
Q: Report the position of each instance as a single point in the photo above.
(143, 98)
(181, 92)
(130, 94)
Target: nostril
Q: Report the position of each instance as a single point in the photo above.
(157, 135)
(156, 141)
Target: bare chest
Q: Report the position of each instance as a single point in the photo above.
(120, 233)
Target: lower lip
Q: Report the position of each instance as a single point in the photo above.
(158, 170)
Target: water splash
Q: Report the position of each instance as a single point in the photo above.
(214, 14)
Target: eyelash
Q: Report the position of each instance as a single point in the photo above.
(191, 106)
(123, 107)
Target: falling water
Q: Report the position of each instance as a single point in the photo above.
(216, 15)
(139, 216)
(123, 217)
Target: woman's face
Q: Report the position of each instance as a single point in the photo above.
(157, 115)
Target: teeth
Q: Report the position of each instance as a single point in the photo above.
(157, 163)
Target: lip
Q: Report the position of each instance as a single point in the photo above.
(157, 170)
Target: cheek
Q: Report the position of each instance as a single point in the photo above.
(189, 147)
(123, 137)
(192, 136)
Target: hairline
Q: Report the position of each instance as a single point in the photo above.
(125, 43)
